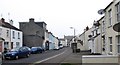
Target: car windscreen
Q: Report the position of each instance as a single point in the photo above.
(33, 48)
(13, 50)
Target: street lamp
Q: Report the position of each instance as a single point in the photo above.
(74, 44)
(74, 32)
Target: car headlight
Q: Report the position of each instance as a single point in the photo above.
(13, 54)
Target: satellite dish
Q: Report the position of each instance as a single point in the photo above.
(116, 27)
(101, 11)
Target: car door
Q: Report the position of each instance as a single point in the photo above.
(20, 52)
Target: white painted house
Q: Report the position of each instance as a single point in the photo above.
(12, 36)
(56, 41)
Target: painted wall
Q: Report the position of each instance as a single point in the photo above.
(51, 41)
(17, 39)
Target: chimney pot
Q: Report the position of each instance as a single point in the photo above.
(31, 20)
(2, 19)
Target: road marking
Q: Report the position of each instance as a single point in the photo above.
(47, 58)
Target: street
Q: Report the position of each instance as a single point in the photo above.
(51, 56)
(63, 56)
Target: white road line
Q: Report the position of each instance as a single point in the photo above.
(48, 58)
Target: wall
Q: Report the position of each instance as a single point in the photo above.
(16, 40)
(109, 29)
(35, 37)
(100, 59)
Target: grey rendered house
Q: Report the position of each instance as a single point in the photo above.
(33, 32)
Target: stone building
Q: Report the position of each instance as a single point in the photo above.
(33, 32)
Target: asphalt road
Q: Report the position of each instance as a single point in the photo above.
(51, 56)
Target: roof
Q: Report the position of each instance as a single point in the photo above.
(108, 5)
(40, 23)
(62, 39)
(7, 25)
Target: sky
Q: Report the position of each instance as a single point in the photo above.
(59, 15)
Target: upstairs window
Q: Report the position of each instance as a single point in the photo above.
(13, 34)
(103, 26)
(110, 17)
(118, 12)
(18, 35)
(7, 33)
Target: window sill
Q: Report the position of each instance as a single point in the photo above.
(110, 26)
(110, 53)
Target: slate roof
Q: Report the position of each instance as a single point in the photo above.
(7, 25)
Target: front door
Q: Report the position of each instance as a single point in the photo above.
(11, 45)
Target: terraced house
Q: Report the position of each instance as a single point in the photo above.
(105, 32)
(11, 36)
(112, 37)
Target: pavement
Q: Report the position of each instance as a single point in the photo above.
(76, 59)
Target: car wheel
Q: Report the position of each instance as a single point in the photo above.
(27, 55)
(16, 57)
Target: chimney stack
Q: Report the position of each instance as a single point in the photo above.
(31, 20)
(2, 19)
(11, 22)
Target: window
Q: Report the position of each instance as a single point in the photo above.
(7, 33)
(118, 12)
(96, 32)
(110, 41)
(17, 44)
(13, 34)
(103, 26)
(93, 33)
(118, 38)
(18, 35)
(104, 44)
(6, 45)
(110, 17)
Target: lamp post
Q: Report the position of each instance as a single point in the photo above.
(74, 44)
(74, 32)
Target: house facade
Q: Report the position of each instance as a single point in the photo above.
(95, 38)
(69, 39)
(33, 33)
(61, 42)
(56, 46)
(112, 17)
(51, 41)
(83, 40)
(46, 41)
(7, 34)
(104, 37)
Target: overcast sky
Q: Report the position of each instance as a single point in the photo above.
(59, 15)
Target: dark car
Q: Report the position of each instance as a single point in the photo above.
(42, 49)
(36, 50)
(17, 53)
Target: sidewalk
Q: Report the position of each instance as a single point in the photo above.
(75, 57)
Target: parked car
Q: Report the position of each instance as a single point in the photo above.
(60, 46)
(56, 48)
(42, 49)
(36, 50)
(17, 53)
